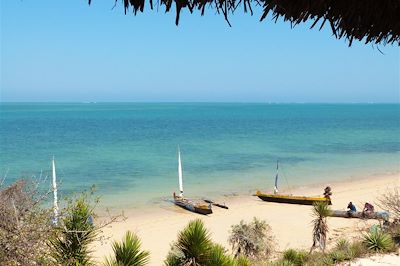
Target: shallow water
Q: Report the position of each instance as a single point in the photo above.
(129, 150)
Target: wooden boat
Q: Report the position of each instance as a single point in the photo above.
(291, 199)
(200, 207)
(360, 215)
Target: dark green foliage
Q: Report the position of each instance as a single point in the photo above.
(253, 240)
(194, 247)
(70, 243)
(128, 253)
(218, 257)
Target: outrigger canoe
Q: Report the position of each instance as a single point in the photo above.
(280, 198)
(200, 207)
(194, 206)
(291, 199)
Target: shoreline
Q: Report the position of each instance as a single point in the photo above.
(158, 226)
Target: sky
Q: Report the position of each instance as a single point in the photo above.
(67, 51)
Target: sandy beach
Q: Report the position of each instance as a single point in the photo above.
(291, 224)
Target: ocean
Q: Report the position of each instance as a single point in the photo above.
(129, 150)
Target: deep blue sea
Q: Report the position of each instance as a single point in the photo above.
(129, 150)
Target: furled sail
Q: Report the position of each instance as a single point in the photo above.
(55, 206)
(180, 173)
(276, 178)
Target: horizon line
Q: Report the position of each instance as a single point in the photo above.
(192, 102)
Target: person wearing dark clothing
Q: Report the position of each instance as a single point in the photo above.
(351, 208)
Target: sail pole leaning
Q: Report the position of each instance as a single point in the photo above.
(55, 203)
(276, 178)
(180, 173)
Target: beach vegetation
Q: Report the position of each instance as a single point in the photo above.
(390, 201)
(25, 224)
(253, 240)
(128, 252)
(74, 233)
(192, 247)
(320, 212)
(294, 256)
(378, 240)
(241, 261)
(77, 229)
(218, 256)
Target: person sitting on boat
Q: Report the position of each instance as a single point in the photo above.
(352, 208)
(368, 208)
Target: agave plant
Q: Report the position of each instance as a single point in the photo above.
(128, 253)
(377, 240)
(192, 247)
(320, 211)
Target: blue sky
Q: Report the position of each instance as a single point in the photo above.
(68, 51)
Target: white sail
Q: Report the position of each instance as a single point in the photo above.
(55, 207)
(180, 173)
(276, 178)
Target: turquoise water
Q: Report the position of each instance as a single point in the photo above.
(129, 150)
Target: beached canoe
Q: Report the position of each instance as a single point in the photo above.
(290, 199)
(360, 215)
(200, 207)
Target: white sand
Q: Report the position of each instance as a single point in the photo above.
(291, 224)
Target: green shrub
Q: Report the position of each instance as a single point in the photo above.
(357, 249)
(75, 233)
(242, 261)
(294, 256)
(128, 252)
(378, 240)
(342, 244)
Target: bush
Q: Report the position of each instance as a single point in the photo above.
(75, 232)
(390, 201)
(294, 256)
(195, 247)
(25, 225)
(253, 240)
(128, 252)
(377, 240)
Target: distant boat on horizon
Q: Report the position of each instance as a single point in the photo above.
(290, 199)
(200, 207)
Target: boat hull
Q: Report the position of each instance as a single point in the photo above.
(191, 206)
(289, 199)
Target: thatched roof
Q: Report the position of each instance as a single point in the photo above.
(372, 21)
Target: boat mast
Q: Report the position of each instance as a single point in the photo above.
(55, 203)
(180, 173)
(276, 178)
